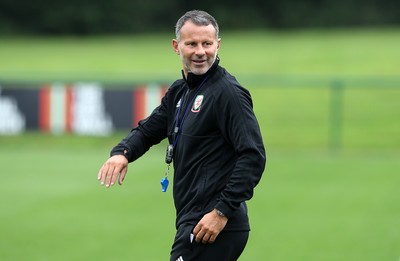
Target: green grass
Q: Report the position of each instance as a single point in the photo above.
(251, 55)
(315, 206)
(312, 204)
(300, 118)
(55, 209)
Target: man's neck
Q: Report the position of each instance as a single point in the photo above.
(193, 80)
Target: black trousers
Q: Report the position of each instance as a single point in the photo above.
(228, 246)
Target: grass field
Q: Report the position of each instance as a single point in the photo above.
(313, 203)
(260, 54)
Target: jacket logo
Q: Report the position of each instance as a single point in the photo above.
(197, 103)
(178, 104)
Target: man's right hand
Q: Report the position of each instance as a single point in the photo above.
(114, 167)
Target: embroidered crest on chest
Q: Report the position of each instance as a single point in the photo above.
(197, 103)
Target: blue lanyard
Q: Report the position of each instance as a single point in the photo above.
(178, 126)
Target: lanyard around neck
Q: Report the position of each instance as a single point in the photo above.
(179, 125)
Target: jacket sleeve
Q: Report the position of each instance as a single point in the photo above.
(240, 128)
(150, 131)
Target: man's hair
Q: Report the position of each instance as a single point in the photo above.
(197, 17)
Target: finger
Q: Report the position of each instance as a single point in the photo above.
(103, 173)
(196, 229)
(118, 170)
(197, 232)
(99, 173)
(105, 180)
(200, 236)
(212, 239)
(122, 175)
(205, 239)
(111, 176)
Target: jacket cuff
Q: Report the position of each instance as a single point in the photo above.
(121, 150)
(227, 211)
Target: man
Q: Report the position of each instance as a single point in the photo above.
(215, 143)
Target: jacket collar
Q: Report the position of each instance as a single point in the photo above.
(194, 80)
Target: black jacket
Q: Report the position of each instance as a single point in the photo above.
(219, 155)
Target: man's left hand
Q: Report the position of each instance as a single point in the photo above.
(209, 227)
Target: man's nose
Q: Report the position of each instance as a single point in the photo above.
(200, 51)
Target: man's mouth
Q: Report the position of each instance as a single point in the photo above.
(198, 62)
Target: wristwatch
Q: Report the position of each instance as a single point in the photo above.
(220, 213)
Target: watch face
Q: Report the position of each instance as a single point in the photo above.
(220, 213)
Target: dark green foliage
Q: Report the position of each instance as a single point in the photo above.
(122, 16)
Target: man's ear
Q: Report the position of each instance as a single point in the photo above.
(175, 46)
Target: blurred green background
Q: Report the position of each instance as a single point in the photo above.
(327, 100)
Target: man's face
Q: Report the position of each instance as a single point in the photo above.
(197, 48)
